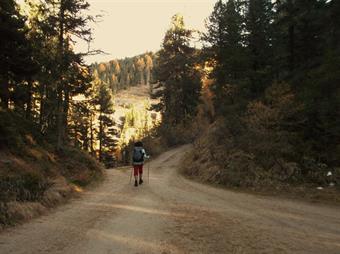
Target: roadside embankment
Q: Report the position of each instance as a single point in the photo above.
(33, 175)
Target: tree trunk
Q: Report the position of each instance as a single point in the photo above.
(142, 77)
(291, 37)
(91, 134)
(86, 139)
(60, 129)
(42, 110)
(100, 135)
(4, 93)
(148, 76)
(65, 110)
(29, 99)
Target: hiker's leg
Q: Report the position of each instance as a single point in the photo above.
(135, 173)
(140, 174)
(141, 171)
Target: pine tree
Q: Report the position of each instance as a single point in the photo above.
(216, 27)
(65, 18)
(300, 27)
(224, 36)
(16, 64)
(179, 80)
(104, 99)
(259, 18)
(82, 111)
(79, 125)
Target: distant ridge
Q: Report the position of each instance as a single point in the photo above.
(127, 72)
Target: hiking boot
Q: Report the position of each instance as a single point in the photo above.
(140, 181)
(136, 183)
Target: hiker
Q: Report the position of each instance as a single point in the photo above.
(138, 156)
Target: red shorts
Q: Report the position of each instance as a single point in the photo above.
(137, 169)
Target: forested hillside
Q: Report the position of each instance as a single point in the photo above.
(268, 109)
(43, 126)
(123, 73)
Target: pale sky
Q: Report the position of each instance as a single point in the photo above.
(132, 27)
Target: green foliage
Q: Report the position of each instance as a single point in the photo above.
(107, 142)
(226, 50)
(258, 20)
(179, 82)
(16, 65)
(81, 125)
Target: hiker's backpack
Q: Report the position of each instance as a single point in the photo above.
(138, 155)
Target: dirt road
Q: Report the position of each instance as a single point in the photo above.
(174, 215)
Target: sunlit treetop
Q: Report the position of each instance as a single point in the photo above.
(177, 22)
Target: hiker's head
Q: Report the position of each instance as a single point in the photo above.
(139, 144)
